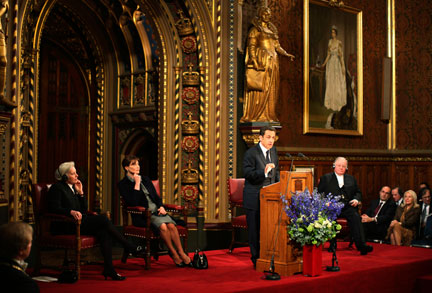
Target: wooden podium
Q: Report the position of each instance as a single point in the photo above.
(287, 258)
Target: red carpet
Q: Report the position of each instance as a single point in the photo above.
(386, 269)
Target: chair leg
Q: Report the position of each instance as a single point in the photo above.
(78, 264)
(231, 247)
(65, 259)
(185, 240)
(124, 256)
(147, 258)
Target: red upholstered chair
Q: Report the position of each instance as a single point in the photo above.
(43, 237)
(146, 233)
(235, 193)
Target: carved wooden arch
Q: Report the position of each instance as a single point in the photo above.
(34, 15)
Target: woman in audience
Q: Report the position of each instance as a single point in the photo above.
(66, 197)
(137, 191)
(402, 229)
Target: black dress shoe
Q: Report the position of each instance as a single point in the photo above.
(365, 249)
(113, 275)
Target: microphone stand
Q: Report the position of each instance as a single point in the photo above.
(271, 274)
(333, 267)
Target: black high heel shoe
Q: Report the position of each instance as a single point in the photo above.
(113, 275)
(180, 265)
(189, 264)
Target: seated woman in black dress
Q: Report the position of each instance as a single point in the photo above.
(137, 191)
(66, 197)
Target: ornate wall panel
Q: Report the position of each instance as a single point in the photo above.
(414, 74)
(288, 17)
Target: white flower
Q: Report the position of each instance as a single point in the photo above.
(317, 225)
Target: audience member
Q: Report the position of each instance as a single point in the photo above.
(66, 197)
(15, 246)
(426, 210)
(378, 216)
(137, 191)
(397, 194)
(345, 185)
(423, 185)
(403, 228)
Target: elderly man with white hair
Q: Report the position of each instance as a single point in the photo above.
(345, 185)
(66, 197)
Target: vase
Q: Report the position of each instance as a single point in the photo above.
(312, 260)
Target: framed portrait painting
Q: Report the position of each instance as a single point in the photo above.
(333, 68)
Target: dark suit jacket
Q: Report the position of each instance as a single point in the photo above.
(61, 200)
(430, 208)
(14, 279)
(135, 198)
(254, 163)
(385, 215)
(387, 212)
(329, 184)
(420, 229)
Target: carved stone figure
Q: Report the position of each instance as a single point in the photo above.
(4, 7)
(262, 70)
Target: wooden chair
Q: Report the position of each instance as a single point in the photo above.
(235, 193)
(146, 233)
(43, 236)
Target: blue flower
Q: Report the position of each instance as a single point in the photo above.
(312, 216)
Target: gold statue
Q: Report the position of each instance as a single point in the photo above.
(262, 69)
(4, 6)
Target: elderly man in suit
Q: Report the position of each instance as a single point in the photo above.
(378, 216)
(260, 167)
(345, 185)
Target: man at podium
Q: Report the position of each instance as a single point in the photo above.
(260, 167)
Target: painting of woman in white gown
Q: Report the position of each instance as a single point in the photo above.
(333, 102)
(335, 92)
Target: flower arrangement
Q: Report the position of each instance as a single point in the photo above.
(312, 217)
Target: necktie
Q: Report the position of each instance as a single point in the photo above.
(423, 215)
(378, 207)
(268, 157)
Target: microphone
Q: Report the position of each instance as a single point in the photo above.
(301, 155)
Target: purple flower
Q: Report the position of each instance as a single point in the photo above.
(307, 212)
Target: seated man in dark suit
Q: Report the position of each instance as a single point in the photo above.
(378, 216)
(426, 210)
(15, 245)
(345, 185)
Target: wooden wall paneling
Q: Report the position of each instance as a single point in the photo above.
(372, 173)
(421, 175)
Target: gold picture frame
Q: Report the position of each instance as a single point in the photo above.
(333, 68)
